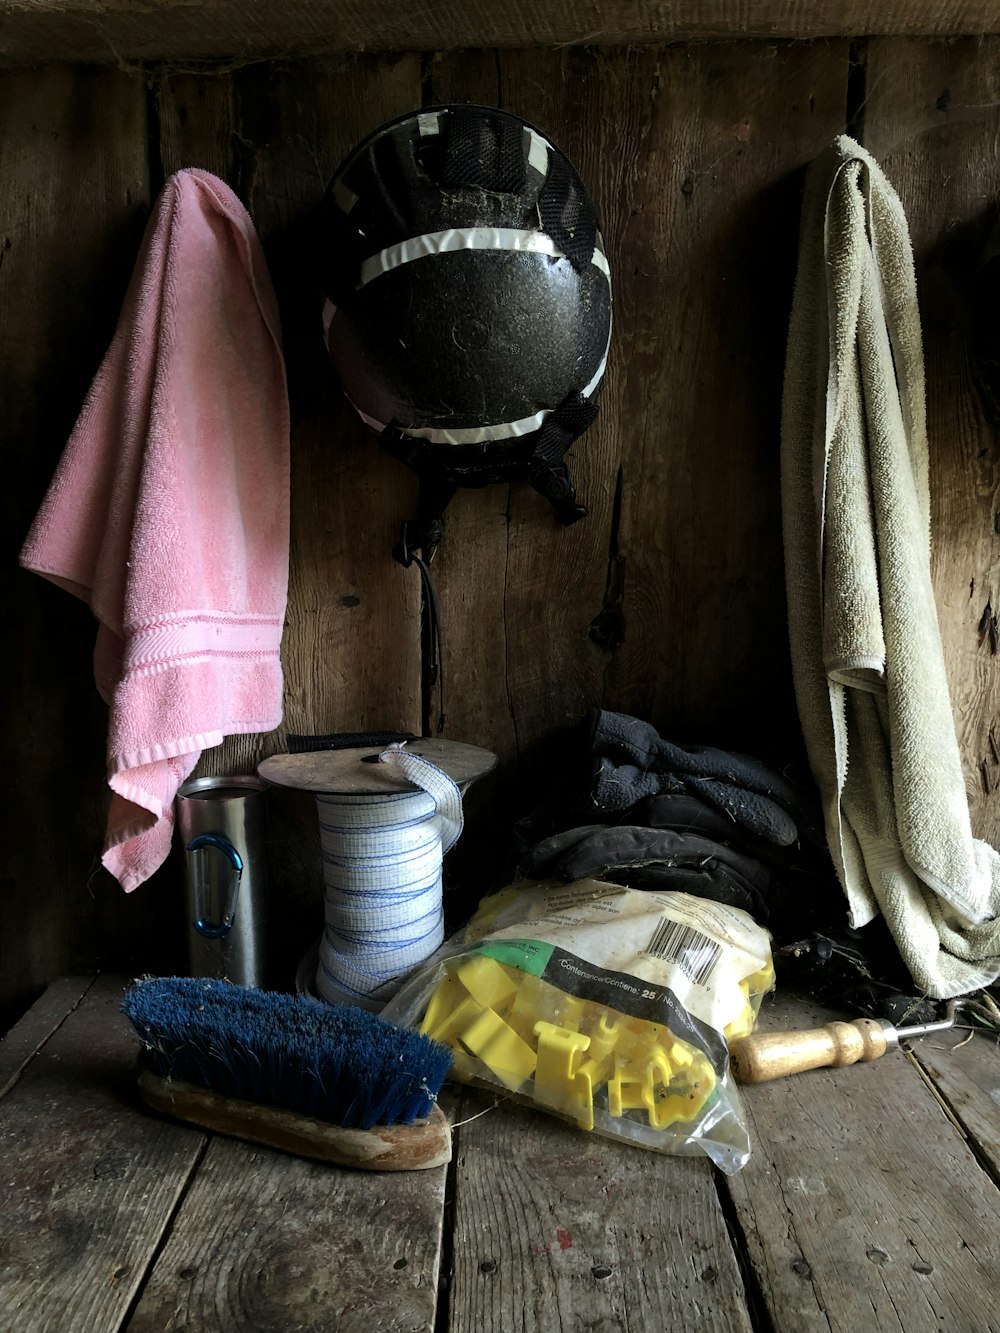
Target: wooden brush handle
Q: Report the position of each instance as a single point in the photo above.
(767, 1055)
(425, 1143)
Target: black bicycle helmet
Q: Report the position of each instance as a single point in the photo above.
(468, 309)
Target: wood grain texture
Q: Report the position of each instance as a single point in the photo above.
(967, 1074)
(932, 119)
(558, 1229)
(861, 1207)
(26, 1038)
(351, 645)
(90, 1183)
(107, 30)
(707, 242)
(352, 657)
(667, 602)
(274, 1243)
(73, 159)
(517, 590)
(197, 124)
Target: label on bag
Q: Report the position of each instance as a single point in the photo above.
(626, 948)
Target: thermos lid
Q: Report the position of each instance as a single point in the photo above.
(233, 788)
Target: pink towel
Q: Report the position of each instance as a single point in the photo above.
(168, 512)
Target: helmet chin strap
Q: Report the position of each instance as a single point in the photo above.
(539, 460)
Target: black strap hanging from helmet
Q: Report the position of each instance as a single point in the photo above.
(548, 472)
(540, 460)
(424, 532)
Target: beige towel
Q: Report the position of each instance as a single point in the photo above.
(869, 671)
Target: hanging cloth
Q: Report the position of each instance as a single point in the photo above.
(868, 665)
(168, 511)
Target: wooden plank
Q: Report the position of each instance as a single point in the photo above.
(90, 1182)
(862, 1206)
(352, 659)
(967, 1075)
(197, 122)
(517, 590)
(73, 156)
(573, 1231)
(705, 244)
(932, 120)
(107, 30)
(278, 1243)
(29, 1035)
(667, 601)
(351, 647)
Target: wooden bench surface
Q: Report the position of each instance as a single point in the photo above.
(870, 1202)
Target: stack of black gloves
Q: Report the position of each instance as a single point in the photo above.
(638, 810)
(665, 816)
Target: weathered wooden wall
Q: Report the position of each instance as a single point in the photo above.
(667, 602)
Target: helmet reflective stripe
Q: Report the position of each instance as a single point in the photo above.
(466, 238)
(538, 153)
(599, 372)
(343, 197)
(502, 430)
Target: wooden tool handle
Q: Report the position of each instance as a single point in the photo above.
(425, 1143)
(766, 1055)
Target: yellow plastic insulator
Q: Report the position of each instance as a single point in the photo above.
(499, 1047)
(447, 996)
(535, 999)
(487, 981)
(594, 1071)
(571, 1011)
(636, 1040)
(454, 1022)
(464, 1067)
(741, 1025)
(589, 1077)
(556, 1083)
(625, 1087)
(680, 1053)
(684, 1098)
(655, 1089)
(672, 1107)
(761, 981)
(604, 1034)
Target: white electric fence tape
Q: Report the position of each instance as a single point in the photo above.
(382, 860)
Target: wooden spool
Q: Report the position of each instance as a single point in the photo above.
(357, 772)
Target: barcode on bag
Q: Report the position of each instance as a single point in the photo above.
(694, 953)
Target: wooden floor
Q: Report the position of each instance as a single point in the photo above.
(870, 1202)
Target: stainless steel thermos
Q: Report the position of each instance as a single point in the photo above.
(221, 822)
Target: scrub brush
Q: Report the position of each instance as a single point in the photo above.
(325, 1081)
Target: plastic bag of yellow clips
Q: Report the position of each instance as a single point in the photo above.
(607, 1006)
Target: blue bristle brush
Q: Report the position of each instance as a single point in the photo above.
(288, 1071)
